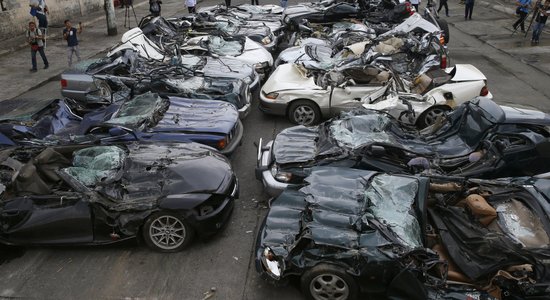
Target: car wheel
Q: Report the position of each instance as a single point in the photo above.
(304, 112)
(430, 115)
(104, 91)
(167, 232)
(445, 28)
(329, 282)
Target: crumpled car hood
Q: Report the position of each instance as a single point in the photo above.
(289, 77)
(198, 116)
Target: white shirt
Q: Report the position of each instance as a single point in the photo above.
(415, 1)
(190, 3)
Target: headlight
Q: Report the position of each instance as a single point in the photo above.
(270, 263)
(247, 80)
(260, 66)
(272, 95)
(266, 40)
(280, 176)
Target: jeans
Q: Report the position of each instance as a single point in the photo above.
(442, 4)
(70, 51)
(42, 20)
(191, 9)
(257, 2)
(42, 54)
(284, 3)
(537, 30)
(521, 20)
(227, 3)
(468, 11)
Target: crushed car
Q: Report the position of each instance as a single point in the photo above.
(91, 195)
(355, 234)
(146, 117)
(478, 139)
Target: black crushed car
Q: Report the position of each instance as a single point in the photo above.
(478, 139)
(347, 231)
(165, 194)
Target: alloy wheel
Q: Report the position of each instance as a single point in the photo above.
(167, 232)
(329, 287)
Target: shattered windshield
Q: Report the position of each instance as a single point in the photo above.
(192, 61)
(522, 225)
(146, 109)
(220, 46)
(92, 166)
(359, 130)
(473, 127)
(390, 199)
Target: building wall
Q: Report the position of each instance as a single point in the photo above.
(15, 16)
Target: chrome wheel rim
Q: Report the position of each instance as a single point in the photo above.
(167, 232)
(329, 287)
(433, 114)
(304, 115)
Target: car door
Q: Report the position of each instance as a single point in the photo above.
(349, 97)
(47, 219)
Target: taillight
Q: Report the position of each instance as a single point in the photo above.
(409, 9)
(442, 39)
(63, 83)
(484, 91)
(443, 63)
(221, 143)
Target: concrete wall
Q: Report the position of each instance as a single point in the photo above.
(14, 20)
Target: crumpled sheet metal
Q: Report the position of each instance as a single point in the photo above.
(95, 165)
(143, 110)
(220, 46)
(360, 130)
(391, 199)
(522, 224)
(295, 144)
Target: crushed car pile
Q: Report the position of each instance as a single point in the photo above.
(399, 196)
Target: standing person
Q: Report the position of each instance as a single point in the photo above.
(70, 35)
(154, 7)
(469, 9)
(227, 3)
(522, 11)
(34, 38)
(415, 3)
(255, 2)
(441, 4)
(284, 3)
(40, 11)
(191, 6)
(540, 21)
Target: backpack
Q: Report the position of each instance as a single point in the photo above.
(155, 7)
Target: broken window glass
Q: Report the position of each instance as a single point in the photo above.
(522, 224)
(146, 109)
(390, 199)
(360, 130)
(94, 165)
(220, 46)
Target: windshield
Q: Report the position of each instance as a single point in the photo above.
(390, 199)
(357, 131)
(473, 126)
(95, 165)
(145, 110)
(220, 46)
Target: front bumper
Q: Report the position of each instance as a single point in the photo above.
(270, 107)
(244, 111)
(235, 141)
(263, 173)
(212, 223)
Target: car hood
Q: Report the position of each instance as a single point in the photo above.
(226, 67)
(337, 217)
(175, 169)
(195, 115)
(289, 77)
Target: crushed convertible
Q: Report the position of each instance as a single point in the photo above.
(478, 139)
(92, 195)
(347, 231)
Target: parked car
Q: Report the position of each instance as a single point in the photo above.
(90, 195)
(478, 139)
(146, 117)
(78, 81)
(356, 234)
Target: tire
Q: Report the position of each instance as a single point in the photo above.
(304, 112)
(328, 282)
(429, 116)
(104, 91)
(445, 28)
(167, 232)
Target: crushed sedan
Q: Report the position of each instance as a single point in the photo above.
(90, 195)
(348, 231)
(147, 117)
(478, 139)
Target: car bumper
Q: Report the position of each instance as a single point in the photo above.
(77, 95)
(244, 111)
(236, 140)
(270, 107)
(271, 46)
(212, 223)
(263, 173)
